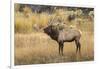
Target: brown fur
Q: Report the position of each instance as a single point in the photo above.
(64, 35)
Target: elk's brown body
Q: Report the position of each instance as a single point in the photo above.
(64, 35)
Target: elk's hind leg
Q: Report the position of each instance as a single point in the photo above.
(78, 47)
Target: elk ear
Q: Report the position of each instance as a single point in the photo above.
(64, 23)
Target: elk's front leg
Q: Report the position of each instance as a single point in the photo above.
(61, 48)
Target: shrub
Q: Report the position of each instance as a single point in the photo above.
(22, 24)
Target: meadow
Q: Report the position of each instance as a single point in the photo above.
(33, 46)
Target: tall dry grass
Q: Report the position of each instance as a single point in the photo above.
(38, 48)
(25, 24)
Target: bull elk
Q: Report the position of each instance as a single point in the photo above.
(64, 35)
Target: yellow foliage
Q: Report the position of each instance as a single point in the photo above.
(25, 24)
(43, 19)
(22, 24)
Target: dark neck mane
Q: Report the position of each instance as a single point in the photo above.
(54, 34)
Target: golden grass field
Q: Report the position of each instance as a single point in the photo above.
(38, 48)
(35, 47)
